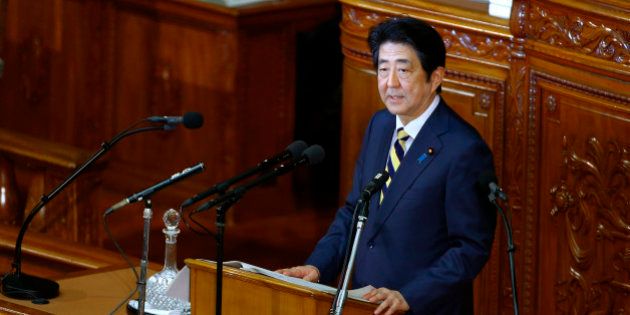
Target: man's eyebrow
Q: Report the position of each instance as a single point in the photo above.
(400, 60)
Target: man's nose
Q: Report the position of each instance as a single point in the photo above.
(392, 80)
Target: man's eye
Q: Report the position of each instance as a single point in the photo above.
(404, 73)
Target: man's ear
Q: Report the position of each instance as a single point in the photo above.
(437, 77)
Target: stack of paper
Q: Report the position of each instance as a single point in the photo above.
(180, 287)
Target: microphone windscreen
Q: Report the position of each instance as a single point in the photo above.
(296, 148)
(192, 120)
(485, 179)
(314, 154)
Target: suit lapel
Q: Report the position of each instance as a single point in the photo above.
(423, 151)
(384, 142)
(382, 139)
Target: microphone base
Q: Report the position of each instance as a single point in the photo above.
(25, 287)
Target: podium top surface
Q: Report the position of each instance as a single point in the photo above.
(95, 292)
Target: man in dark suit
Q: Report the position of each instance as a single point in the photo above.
(430, 230)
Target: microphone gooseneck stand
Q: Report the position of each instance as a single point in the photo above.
(147, 214)
(312, 155)
(510, 244)
(19, 285)
(293, 150)
(223, 203)
(342, 291)
(221, 210)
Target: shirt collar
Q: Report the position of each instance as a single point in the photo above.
(413, 127)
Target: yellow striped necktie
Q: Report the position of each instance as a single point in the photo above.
(396, 155)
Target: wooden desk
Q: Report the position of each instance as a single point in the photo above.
(92, 292)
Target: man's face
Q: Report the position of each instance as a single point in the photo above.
(402, 83)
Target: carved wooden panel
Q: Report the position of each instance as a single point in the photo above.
(459, 41)
(580, 32)
(474, 45)
(480, 100)
(584, 232)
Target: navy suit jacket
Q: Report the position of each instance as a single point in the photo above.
(434, 230)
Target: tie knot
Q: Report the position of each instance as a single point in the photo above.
(402, 135)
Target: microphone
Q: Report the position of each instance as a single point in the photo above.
(190, 120)
(293, 150)
(375, 185)
(311, 156)
(159, 186)
(488, 182)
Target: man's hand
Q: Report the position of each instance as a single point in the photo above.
(308, 272)
(391, 302)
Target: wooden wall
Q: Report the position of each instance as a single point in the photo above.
(79, 71)
(549, 90)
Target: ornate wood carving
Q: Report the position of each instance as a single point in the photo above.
(581, 33)
(467, 44)
(519, 17)
(458, 42)
(495, 96)
(551, 103)
(485, 101)
(360, 21)
(514, 176)
(582, 89)
(531, 215)
(591, 202)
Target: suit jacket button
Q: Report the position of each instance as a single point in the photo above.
(371, 244)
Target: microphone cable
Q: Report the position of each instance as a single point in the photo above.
(127, 260)
(206, 231)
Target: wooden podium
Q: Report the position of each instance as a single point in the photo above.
(248, 293)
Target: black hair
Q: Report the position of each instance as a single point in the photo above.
(425, 40)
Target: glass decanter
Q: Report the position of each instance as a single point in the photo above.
(157, 300)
